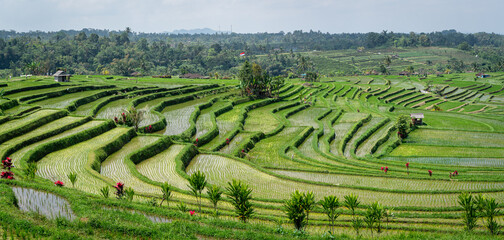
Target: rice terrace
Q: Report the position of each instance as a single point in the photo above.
(229, 134)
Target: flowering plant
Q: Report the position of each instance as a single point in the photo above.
(192, 212)
(59, 183)
(430, 173)
(8, 175)
(119, 190)
(7, 163)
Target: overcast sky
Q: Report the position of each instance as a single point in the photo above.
(251, 16)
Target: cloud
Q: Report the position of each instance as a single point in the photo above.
(254, 16)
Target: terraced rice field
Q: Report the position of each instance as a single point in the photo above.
(56, 165)
(162, 168)
(115, 167)
(276, 146)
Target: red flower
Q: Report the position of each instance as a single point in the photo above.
(456, 172)
(382, 168)
(227, 139)
(197, 140)
(386, 169)
(7, 175)
(59, 183)
(192, 212)
(407, 165)
(430, 173)
(243, 150)
(8, 159)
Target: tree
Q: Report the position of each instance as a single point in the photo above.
(308, 204)
(312, 77)
(240, 195)
(352, 202)
(468, 204)
(295, 210)
(490, 211)
(166, 191)
(197, 182)
(215, 195)
(384, 70)
(330, 204)
(402, 126)
(387, 60)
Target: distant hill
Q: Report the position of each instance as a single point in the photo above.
(194, 31)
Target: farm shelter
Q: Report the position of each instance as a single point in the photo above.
(417, 118)
(62, 76)
(482, 75)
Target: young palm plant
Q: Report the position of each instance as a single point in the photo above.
(197, 182)
(166, 190)
(469, 206)
(73, 178)
(240, 195)
(352, 202)
(215, 195)
(490, 211)
(295, 211)
(330, 204)
(308, 204)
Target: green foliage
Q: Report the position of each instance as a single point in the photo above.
(129, 193)
(105, 191)
(182, 207)
(330, 204)
(373, 217)
(30, 171)
(197, 182)
(403, 126)
(294, 208)
(215, 195)
(255, 82)
(167, 193)
(490, 211)
(240, 195)
(73, 178)
(469, 205)
(312, 77)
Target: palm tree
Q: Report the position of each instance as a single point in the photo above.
(197, 182)
(215, 195)
(240, 195)
(330, 204)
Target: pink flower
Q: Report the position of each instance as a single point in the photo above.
(192, 212)
(386, 169)
(381, 168)
(59, 183)
(430, 173)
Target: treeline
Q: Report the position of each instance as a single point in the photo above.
(92, 51)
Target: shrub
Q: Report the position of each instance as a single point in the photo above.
(295, 211)
(197, 182)
(330, 204)
(467, 202)
(30, 171)
(166, 190)
(240, 195)
(215, 195)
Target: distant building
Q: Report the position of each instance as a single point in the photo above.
(482, 75)
(417, 118)
(61, 76)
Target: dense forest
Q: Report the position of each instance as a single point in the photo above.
(92, 51)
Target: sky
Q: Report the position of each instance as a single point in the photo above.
(251, 16)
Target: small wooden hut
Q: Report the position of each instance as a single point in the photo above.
(62, 76)
(417, 118)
